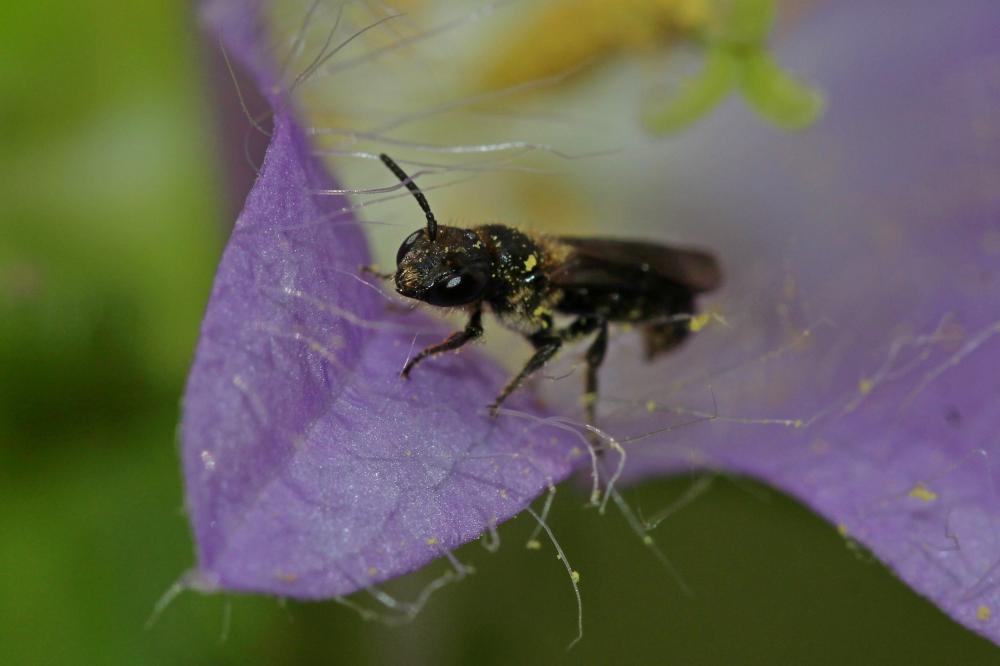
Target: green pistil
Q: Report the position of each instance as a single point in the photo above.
(737, 59)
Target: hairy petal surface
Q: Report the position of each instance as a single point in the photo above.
(312, 469)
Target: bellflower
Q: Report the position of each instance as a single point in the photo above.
(850, 359)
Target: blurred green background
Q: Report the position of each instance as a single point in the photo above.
(112, 215)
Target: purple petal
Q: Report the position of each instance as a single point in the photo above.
(312, 469)
(860, 366)
(857, 369)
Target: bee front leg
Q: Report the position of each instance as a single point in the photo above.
(472, 330)
(546, 346)
(372, 269)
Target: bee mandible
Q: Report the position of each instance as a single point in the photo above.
(527, 279)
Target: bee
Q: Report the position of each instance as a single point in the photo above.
(528, 279)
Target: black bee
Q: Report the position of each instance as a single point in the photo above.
(527, 279)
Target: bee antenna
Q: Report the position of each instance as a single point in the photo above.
(432, 225)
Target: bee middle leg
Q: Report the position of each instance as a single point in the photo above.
(546, 345)
(594, 358)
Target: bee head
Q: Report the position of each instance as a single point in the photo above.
(443, 266)
(453, 269)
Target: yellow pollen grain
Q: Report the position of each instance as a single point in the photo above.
(648, 540)
(650, 406)
(699, 322)
(540, 313)
(534, 544)
(574, 576)
(588, 399)
(530, 262)
(923, 493)
(865, 386)
(433, 541)
(842, 529)
(983, 613)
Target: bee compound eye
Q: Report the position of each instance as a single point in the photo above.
(408, 244)
(456, 289)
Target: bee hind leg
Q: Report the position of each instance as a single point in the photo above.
(667, 335)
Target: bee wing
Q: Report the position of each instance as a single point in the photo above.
(629, 264)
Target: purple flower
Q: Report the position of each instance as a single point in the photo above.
(852, 360)
(312, 469)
